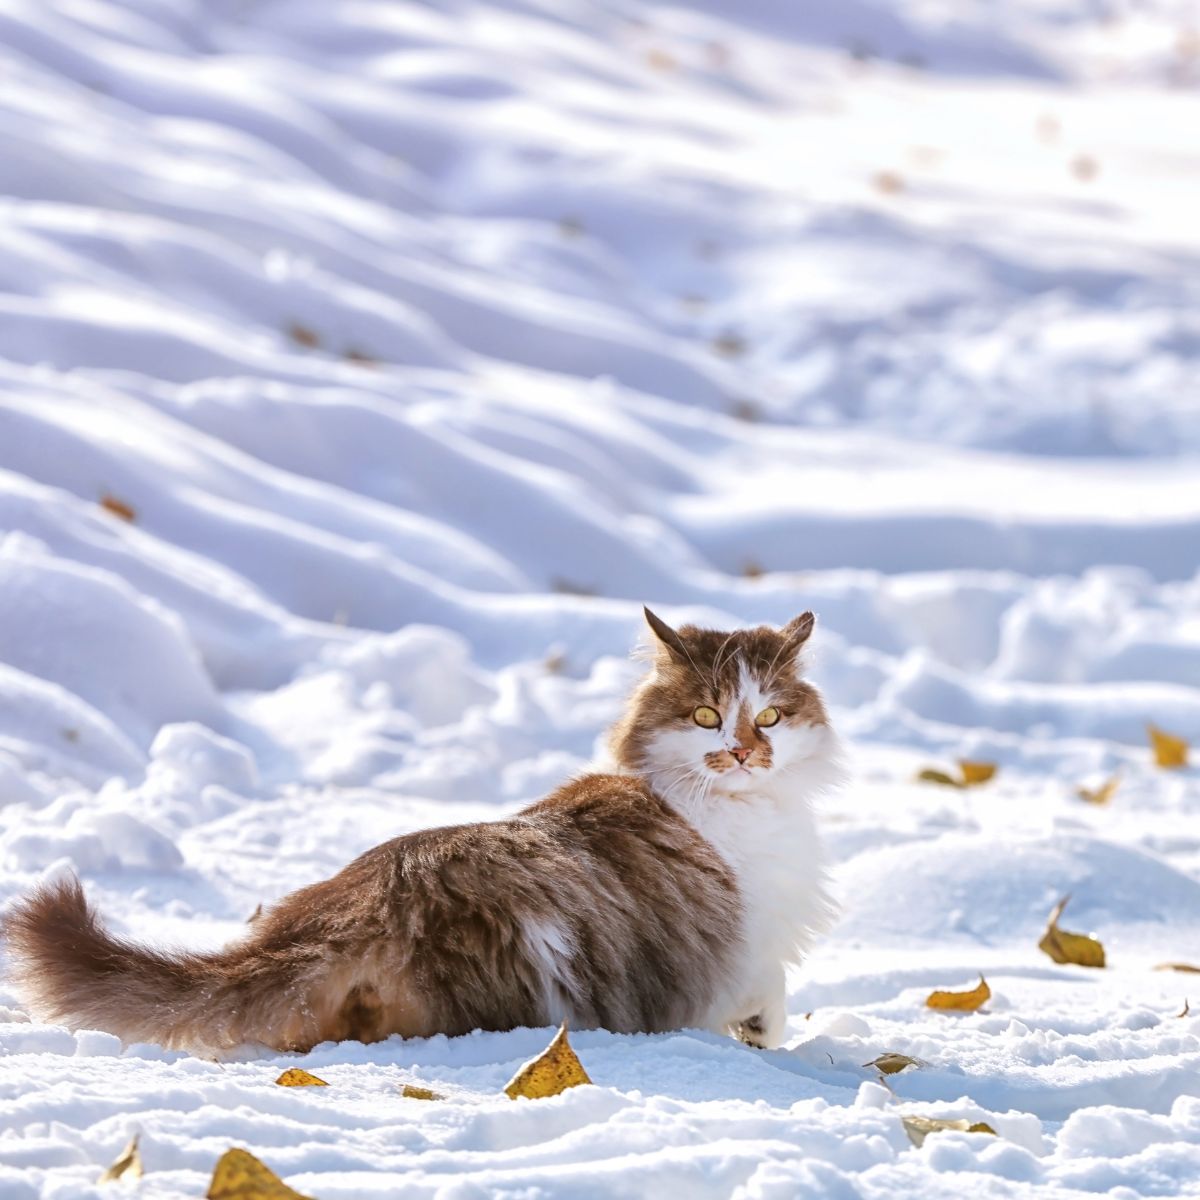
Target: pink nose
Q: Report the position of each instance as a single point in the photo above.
(741, 753)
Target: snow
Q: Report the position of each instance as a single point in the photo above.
(426, 342)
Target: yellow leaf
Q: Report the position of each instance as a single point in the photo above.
(299, 1077)
(974, 773)
(553, 1071)
(118, 507)
(127, 1164)
(412, 1091)
(1101, 795)
(930, 775)
(1064, 947)
(1178, 967)
(961, 1001)
(240, 1176)
(892, 1064)
(919, 1128)
(1169, 749)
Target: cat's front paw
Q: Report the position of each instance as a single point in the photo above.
(753, 1032)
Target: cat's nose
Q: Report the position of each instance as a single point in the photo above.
(740, 753)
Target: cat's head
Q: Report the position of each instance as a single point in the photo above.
(723, 711)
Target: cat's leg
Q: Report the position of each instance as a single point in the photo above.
(766, 1022)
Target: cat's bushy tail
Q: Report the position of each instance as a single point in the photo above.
(70, 969)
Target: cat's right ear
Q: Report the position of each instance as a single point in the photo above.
(667, 638)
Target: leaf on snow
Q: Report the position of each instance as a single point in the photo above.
(1064, 947)
(961, 1001)
(413, 1091)
(240, 1176)
(299, 1077)
(554, 1070)
(1187, 1008)
(974, 773)
(127, 1164)
(1187, 967)
(931, 775)
(919, 1128)
(892, 1064)
(118, 508)
(1102, 794)
(1170, 750)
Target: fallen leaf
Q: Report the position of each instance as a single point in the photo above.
(1187, 1008)
(974, 773)
(118, 508)
(1187, 967)
(238, 1175)
(299, 1077)
(930, 775)
(1064, 947)
(1170, 750)
(413, 1091)
(554, 1070)
(892, 1064)
(127, 1164)
(961, 1001)
(919, 1128)
(303, 336)
(360, 358)
(1102, 794)
(891, 183)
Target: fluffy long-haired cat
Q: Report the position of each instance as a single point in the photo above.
(670, 893)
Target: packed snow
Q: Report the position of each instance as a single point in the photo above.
(365, 366)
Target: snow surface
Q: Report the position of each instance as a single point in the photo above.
(425, 342)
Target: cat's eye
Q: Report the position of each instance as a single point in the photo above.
(767, 718)
(707, 717)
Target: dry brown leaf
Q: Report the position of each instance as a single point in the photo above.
(961, 1001)
(413, 1091)
(127, 1164)
(974, 773)
(303, 336)
(931, 775)
(240, 1176)
(1170, 750)
(554, 1070)
(919, 1128)
(892, 1064)
(299, 1077)
(1102, 794)
(118, 508)
(1064, 947)
(891, 183)
(1186, 967)
(1187, 1008)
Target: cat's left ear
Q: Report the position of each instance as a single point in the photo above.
(796, 632)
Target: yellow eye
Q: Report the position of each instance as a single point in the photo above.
(767, 718)
(708, 717)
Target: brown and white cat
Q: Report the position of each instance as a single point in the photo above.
(670, 893)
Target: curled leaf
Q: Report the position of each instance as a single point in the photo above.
(127, 1164)
(932, 775)
(892, 1064)
(1170, 750)
(1186, 967)
(413, 1091)
(240, 1176)
(919, 1128)
(1187, 1008)
(554, 1070)
(961, 1001)
(1064, 947)
(974, 773)
(299, 1077)
(1102, 794)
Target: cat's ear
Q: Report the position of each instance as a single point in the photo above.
(668, 639)
(797, 631)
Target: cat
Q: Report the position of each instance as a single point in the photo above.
(671, 892)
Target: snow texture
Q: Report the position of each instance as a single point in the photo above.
(424, 342)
